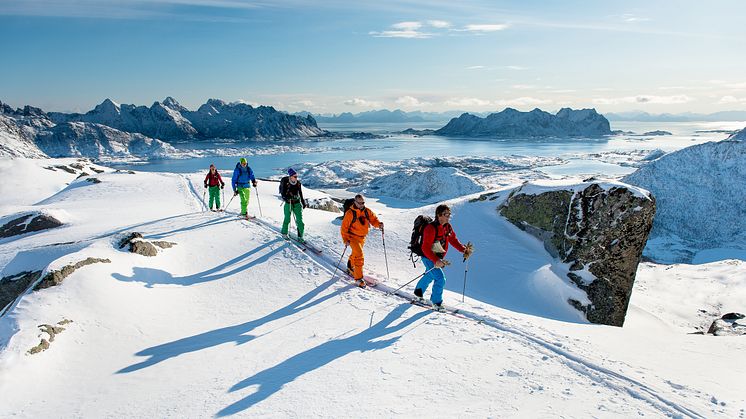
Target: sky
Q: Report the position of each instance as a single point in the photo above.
(351, 56)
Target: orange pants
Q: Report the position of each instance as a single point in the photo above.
(357, 259)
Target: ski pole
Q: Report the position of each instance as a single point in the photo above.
(385, 256)
(340, 261)
(204, 191)
(229, 202)
(466, 269)
(415, 278)
(222, 190)
(258, 202)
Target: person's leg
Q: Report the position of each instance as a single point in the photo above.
(286, 220)
(426, 279)
(439, 279)
(244, 194)
(217, 197)
(298, 210)
(357, 260)
(212, 196)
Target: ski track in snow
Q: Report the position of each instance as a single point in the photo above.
(592, 371)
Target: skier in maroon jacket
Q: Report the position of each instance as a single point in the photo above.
(215, 182)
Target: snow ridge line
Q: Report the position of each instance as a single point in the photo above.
(594, 372)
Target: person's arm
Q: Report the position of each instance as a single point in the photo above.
(220, 179)
(300, 191)
(345, 228)
(234, 179)
(251, 176)
(428, 238)
(374, 221)
(207, 176)
(453, 240)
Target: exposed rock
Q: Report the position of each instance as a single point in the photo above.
(164, 244)
(599, 229)
(55, 278)
(537, 123)
(14, 285)
(137, 244)
(657, 132)
(28, 223)
(50, 330)
(93, 180)
(324, 204)
(730, 324)
(66, 168)
(96, 170)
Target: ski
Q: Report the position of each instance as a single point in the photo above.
(424, 303)
(306, 244)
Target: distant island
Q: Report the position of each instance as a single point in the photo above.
(640, 116)
(383, 116)
(536, 123)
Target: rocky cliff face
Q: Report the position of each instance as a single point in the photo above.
(598, 229)
(215, 119)
(537, 123)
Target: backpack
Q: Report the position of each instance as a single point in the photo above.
(347, 205)
(283, 186)
(415, 242)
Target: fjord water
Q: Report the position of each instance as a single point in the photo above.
(268, 158)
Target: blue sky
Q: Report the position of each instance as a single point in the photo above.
(335, 56)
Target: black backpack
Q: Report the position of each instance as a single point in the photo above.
(283, 186)
(415, 243)
(349, 202)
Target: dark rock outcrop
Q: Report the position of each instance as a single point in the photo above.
(14, 285)
(137, 244)
(28, 223)
(51, 331)
(598, 229)
(55, 278)
(730, 324)
(537, 123)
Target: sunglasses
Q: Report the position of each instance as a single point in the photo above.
(360, 203)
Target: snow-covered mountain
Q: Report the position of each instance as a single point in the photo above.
(700, 194)
(234, 320)
(169, 121)
(430, 186)
(740, 135)
(100, 142)
(536, 123)
(30, 132)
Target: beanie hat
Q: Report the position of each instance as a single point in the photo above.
(243, 160)
(291, 172)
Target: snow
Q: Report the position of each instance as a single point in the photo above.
(699, 194)
(434, 185)
(576, 185)
(234, 320)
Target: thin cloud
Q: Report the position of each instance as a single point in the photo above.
(440, 24)
(630, 18)
(643, 99)
(407, 26)
(731, 99)
(410, 102)
(522, 101)
(523, 86)
(516, 67)
(361, 103)
(475, 67)
(409, 29)
(467, 102)
(494, 27)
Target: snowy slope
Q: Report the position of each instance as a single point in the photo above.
(699, 193)
(17, 141)
(234, 320)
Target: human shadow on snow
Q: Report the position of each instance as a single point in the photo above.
(152, 277)
(273, 379)
(237, 333)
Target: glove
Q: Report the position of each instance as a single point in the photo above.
(254, 183)
(442, 263)
(205, 185)
(235, 193)
(468, 251)
(305, 203)
(380, 225)
(222, 186)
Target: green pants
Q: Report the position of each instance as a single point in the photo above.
(298, 211)
(215, 196)
(244, 194)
